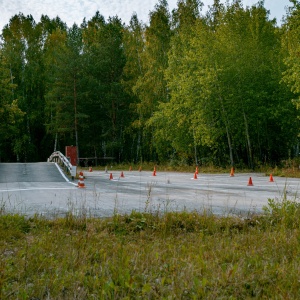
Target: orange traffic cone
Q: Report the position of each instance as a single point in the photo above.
(232, 172)
(197, 172)
(271, 178)
(81, 181)
(111, 176)
(90, 169)
(195, 175)
(154, 171)
(250, 182)
(122, 174)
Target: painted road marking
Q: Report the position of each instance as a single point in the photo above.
(36, 189)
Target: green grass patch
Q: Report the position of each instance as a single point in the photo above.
(152, 256)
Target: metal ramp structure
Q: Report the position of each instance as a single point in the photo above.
(60, 159)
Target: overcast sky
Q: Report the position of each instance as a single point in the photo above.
(73, 11)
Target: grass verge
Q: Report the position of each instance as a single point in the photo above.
(151, 256)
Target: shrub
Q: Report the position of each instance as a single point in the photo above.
(285, 213)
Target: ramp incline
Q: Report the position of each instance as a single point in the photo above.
(30, 172)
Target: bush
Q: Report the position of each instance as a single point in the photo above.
(285, 213)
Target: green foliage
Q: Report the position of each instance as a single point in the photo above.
(222, 84)
(64, 95)
(150, 86)
(22, 49)
(14, 226)
(130, 224)
(187, 120)
(290, 46)
(187, 87)
(285, 213)
(185, 255)
(11, 116)
(107, 103)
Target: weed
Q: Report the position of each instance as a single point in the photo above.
(283, 212)
(151, 256)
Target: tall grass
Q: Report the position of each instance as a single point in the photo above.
(152, 256)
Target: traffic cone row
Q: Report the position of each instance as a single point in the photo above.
(250, 183)
(82, 185)
(111, 177)
(81, 181)
(130, 169)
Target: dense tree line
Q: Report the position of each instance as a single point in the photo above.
(220, 87)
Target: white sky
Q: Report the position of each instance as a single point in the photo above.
(73, 11)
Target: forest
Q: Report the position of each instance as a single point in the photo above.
(188, 87)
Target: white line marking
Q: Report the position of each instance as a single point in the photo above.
(61, 172)
(64, 176)
(35, 189)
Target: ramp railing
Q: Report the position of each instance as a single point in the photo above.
(58, 157)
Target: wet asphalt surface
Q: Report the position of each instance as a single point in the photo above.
(41, 188)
